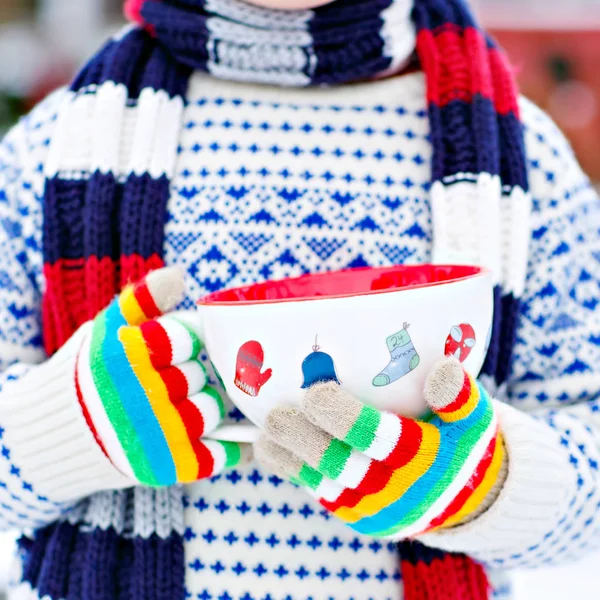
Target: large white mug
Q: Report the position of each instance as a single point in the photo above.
(377, 332)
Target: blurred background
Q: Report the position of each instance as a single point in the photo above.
(554, 44)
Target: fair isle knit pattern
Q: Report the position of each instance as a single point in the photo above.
(247, 535)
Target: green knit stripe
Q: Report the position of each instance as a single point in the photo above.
(334, 459)
(115, 411)
(213, 393)
(362, 433)
(309, 477)
(233, 454)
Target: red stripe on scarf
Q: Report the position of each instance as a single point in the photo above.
(453, 577)
(78, 289)
(459, 66)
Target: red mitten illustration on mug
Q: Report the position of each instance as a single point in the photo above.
(248, 376)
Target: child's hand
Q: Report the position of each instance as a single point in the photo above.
(144, 389)
(386, 475)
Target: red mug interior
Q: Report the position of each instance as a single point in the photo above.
(341, 284)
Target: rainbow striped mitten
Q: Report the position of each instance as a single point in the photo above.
(386, 475)
(144, 390)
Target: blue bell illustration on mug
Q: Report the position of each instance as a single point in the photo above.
(318, 367)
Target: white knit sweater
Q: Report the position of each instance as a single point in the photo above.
(271, 183)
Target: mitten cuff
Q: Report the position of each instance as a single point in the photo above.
(534, 496)
(47, 433)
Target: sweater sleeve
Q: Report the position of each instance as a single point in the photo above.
(48, 457)
(547, 511)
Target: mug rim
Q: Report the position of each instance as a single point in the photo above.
(234, 296)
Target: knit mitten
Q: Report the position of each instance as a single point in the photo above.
(144, 390)
(386, 475)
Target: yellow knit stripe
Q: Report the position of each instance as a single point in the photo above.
(467, 408)
(130, 307)
(168, 417)
(402, 479)
(482, 490)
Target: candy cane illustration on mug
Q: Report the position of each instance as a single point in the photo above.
(460, 342)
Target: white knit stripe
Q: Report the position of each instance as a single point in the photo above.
(386, 437)
(218, 452)
(106, 124)
(166, 136)
(226, 31)
(398, 32)
(180, 338)
(354, 470)
(89, 131)
(98, 414)
(327, 490)
(465, 219)
(247, 54)
(489, 191)
(209, 409)
(195, 375)
(452, 491)
(142, 142)
(50, 440)
(515, 225)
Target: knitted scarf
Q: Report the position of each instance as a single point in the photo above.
(104, 214)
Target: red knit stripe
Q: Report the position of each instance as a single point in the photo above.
(176, 383)
(77, 289)
(205, 459)
(407, 446)
(453, 577)
(461, 399)
(193, 421)
(376, 478)
(458, 66)
(505, 89)
(469, 488)
(146, 301)
(481, 76)
(158, 343)
(64, 302)
(133, 11)
(100, 283)
(87, 416)
(192, 418)
(134, 267)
